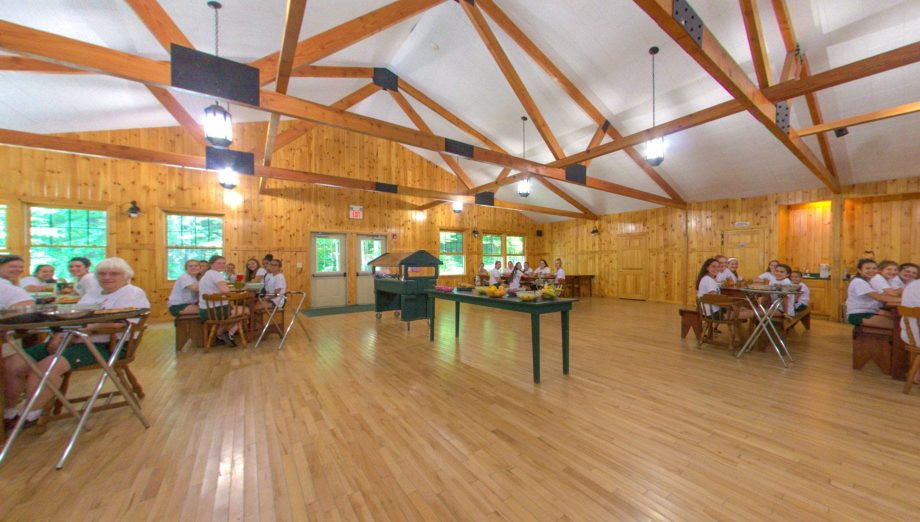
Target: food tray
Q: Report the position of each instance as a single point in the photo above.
(68, 312)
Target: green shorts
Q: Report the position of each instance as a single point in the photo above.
(175, 310)
(77, 354)
(857, 319)
(223, 312)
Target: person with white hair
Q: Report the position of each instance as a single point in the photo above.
(116, 291)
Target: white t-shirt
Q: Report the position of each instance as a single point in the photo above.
(768, 277)
(88, 284)
(879, 283)
(560, 275)
(542, 272)
(858, 299)
(34, 281)
(209, 284)
(275, 283)
(727, 275)
(708, 285)
(911, 298)
(896, 282)
(128, 296)
(495, 276)
(261, 272)
(516, 280)
(805, 296)
(11, 294)
(181, 294)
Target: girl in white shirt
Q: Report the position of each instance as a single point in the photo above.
(86, 281)
(767, 277)
(864, 303)
(212, 282)
(254, 272)
(886, 280)
(911, 298)
(495, 275)
(560, 273)
(706, 284)
(730, 273)
(41, 280)
(801, 300)
(11, 267)
(515, 279)
(184, 295)
(275, 284)
(907, 273)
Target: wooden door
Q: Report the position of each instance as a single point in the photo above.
(329, 285)
(746, 245)
(369, 247)
(632, 266)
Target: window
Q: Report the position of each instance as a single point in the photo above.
(371, 248)
(514, 249)
(498, 247)
(492, 250)
(4, 246)
(451, 253)
(56, 235)
(191, 237)
(327, 254)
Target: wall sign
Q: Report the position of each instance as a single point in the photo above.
(742, 224)
(355, 212)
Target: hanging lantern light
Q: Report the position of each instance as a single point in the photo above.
(458, 207)
(228, 178)
(523, 188)
(218, 124)
(654, 148)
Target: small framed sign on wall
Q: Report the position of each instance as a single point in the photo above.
(355, 212)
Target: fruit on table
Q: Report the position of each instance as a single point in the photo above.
(442, 288)
(482, 290)
(493, 291)
(550, 292)
(527, 296)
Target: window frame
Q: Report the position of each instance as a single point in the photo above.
(165, 235)
(25, 223)
(462, 253)
(5, 248)
(504, 247)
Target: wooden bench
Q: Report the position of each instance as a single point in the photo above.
(803, 317)
(882, 347)
(690, 319)
(188, 327)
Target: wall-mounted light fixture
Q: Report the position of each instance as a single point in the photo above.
(595, 231)
(134, 210)
(475, 232)
(458, 207)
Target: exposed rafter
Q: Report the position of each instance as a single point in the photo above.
(341, 36)
(417, 120)
(852, 121)
(167, 33)
(719, 64)
(596, 140)
(293, 18)
(540, 58)
(751, 16)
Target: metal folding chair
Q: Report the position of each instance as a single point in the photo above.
(294, 316)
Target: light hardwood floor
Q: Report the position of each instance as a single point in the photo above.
(365, 420)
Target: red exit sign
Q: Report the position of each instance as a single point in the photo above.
(355, 212)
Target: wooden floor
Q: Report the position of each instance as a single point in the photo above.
(365, 420)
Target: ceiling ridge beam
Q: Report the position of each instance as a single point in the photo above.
(162, 27)
(710, 54)
(751, 17)
(517, 84)
(543, 61)
(422, 126)
(293, 19)
(333, 40)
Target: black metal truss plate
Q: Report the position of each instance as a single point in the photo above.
(208, 74)
(782, 116)
(687, 17)
(577, 173)
(458, 147)
(386, 79)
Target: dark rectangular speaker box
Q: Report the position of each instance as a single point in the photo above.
(576, 174)
(458, 147)
(386, 187)
(240, 162)
(205, 73)
(386, 79)
(485, 198)
(539, 233)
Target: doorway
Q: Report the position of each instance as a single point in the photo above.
(632, 266)
(329, 282)
(745, 245)
(369, 247)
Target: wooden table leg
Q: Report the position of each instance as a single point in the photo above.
(565, 342)
(535, 345)
(431, 307)
(457, 319)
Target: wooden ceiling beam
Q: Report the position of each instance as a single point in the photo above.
(568, 198)
(751, 16)
(852, 121)
(167, 33)
(344, 35)
(329, 71)
(814, 110)
(419, 123)
(524, 207)
(21, 64)
(517, 85)
(431, 204)
(293, 18)
(719, 64)
(539, 57)
(786, 30)
(596, 140)
(792, 67)
(74, 53)
(493, 186)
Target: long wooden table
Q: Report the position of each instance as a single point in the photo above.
(534, 308)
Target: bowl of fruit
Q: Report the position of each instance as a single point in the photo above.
(527, 297)
(496, 292)
(445, 289)
(465, 287)
(549, 292)
(482, 290)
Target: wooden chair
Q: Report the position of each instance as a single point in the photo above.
(122, 370)
(908, 313)
(729, 309)
(224, 310)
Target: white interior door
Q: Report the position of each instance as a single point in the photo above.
(329, 284)
(369, 247)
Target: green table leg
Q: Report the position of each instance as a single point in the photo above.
(457, 319)
(431, 308)
(535, 345)
(565, 342)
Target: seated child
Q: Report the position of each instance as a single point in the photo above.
(801, 300)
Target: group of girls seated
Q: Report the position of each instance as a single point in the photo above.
(516, 273)
(43, 278)
(880, 284)
(113, 278)
(720, 270)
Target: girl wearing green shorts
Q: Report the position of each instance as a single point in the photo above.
(864, 303)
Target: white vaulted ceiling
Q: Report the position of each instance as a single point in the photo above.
(602, 45)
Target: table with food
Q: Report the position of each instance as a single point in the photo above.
(535, 303)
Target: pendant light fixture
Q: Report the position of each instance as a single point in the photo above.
(218, 124)
(523, 187)
(458, 206)
(654, 148)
